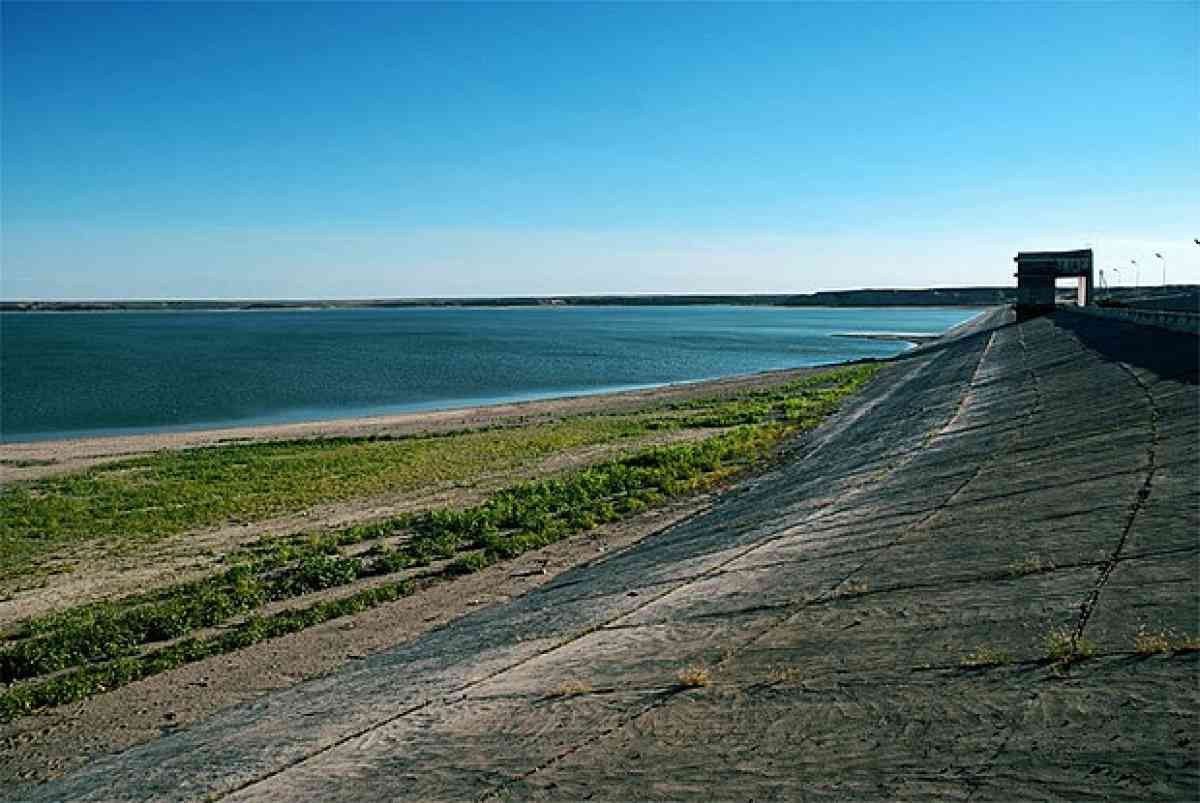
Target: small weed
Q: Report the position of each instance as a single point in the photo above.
(693, 677)
(470, 563)
(783, 674)
(1031, 564)
(1186, 644)
(1147, 643)
(984, 656)
(1064, 649)
(570, 688)
(850, 590)
(1164, 641)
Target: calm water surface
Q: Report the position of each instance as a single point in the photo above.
(68, 374)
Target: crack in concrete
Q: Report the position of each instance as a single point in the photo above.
(1088, 605)
(1143, 493)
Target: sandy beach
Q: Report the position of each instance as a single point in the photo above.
(37, 459)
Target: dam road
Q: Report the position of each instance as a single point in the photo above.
(978, 581)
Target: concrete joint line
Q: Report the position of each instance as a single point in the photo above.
(825, 595)
(1143, 493)
(1088, 607)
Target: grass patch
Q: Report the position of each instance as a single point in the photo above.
(510, 522)
(784, 674)
(86, 681)
(104, 645)
(1063, 648)
(802, 401)
(1031, 564)
(91, 648)
(984, 656)
(570, 688)
(144, 499)
(155, 496)
(1147, 642)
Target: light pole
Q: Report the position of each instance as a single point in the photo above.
(1164, 261)
(1137, 274)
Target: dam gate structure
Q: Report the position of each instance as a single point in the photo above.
(1037, 273)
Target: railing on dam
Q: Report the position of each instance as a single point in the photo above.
(1188, 322)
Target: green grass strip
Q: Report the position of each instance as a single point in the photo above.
(144, 499)
(105, 631)
(108, 638)
(147, 498)
(547, 511)
(80, 683)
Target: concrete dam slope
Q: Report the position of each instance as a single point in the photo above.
(874, 618)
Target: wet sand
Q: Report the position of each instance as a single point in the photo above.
(36, 459)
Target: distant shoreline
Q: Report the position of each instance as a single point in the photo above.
(1181, 296)
(932, 297)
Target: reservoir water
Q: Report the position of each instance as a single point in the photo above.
(73, 374)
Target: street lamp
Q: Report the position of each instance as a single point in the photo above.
(1164, 261)
(1137, 276)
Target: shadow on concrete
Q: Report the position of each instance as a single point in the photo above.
(1168, 354)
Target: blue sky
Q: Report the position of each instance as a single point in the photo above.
(337, 150)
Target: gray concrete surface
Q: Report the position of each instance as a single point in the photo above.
(831, 601)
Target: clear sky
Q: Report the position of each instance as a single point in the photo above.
(200, 150)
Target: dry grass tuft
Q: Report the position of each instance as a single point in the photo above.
(1164, 641)
(783, 674)
(1186, 644)
(570, 688)
(849, 589)
(1147, 643)
(693, 677)
(1031, 564)
(984, 656)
